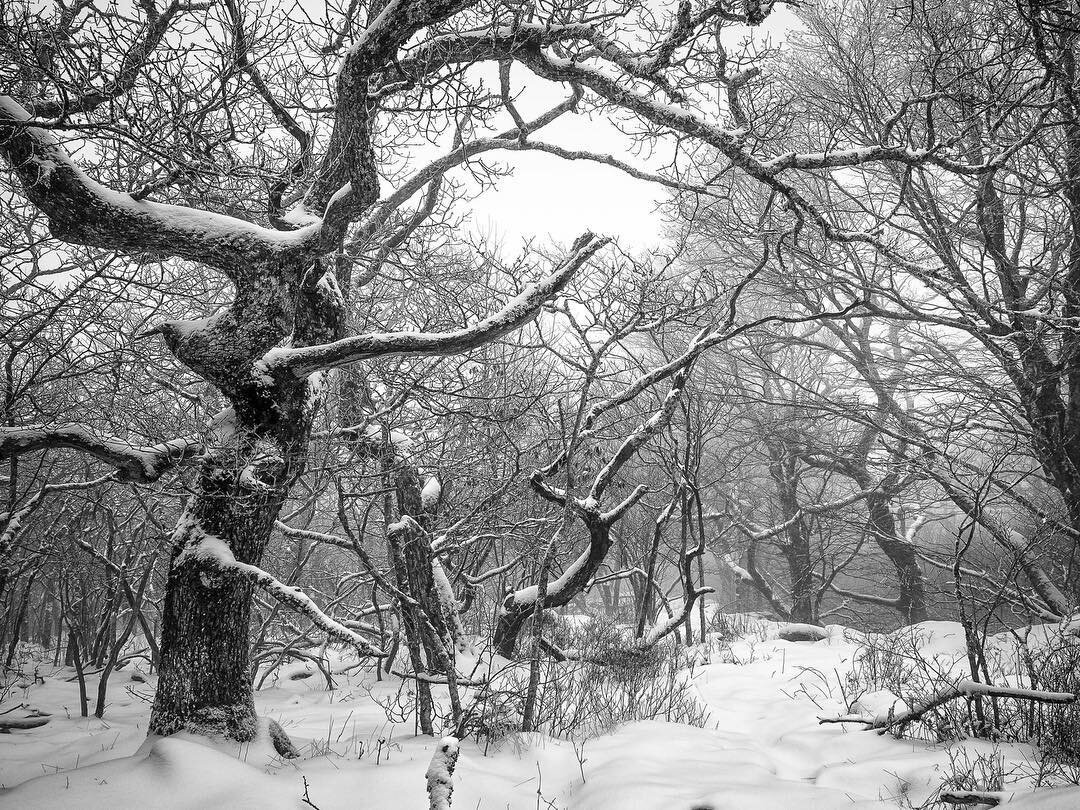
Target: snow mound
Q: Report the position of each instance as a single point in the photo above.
(652, 765)
(172, 773)
(1058, 799)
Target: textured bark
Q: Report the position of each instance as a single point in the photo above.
(204, 684)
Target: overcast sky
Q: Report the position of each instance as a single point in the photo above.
(556, 200)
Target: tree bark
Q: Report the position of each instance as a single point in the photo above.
(204, 685)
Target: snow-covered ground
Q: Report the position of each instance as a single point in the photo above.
(763, 748)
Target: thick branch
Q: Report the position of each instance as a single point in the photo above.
(304, 361)
(215, 554)
(138, 464)
(82, 211)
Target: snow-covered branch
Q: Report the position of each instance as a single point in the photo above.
(965, 688)
(518, 311)
(133, 463)
(653, 425)
(214, 554)
(82, 211)
(764, 533)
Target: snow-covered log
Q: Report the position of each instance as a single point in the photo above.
(8, 724)
(440, 774)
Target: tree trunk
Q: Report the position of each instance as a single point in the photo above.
(204, 683)
(800, 566)
(911, 601)
(20, 617)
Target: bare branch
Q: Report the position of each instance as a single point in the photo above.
(133, 463)
(521, 309)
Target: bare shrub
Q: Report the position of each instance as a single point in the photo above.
(898, 664)
(607, 684)
(1055, 729)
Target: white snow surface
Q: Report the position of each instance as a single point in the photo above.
(431, 493)
(764, 748)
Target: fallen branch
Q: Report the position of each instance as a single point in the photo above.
(437, 678)
(965, 688)
(9, 723)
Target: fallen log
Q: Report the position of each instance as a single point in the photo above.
(9, 723)
(973, 797)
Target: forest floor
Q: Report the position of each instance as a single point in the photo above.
(762, 747)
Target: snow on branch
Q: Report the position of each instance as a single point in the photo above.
(528, 43)
(133, 463)
(965, 688)
(760, 533)
(519, 310)
(631, 81)
(215, 554)
(13, 521)
(583, 569)
(82, 211)
(653, 425)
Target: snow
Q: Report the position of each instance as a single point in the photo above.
(528, 594)
(431, 494)
(184, 329)
(177, 771)
(763, 747)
